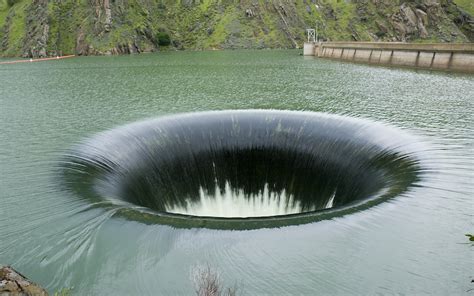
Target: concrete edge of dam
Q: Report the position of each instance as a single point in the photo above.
(457, 57)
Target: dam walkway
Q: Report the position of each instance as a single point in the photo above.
(457, 57)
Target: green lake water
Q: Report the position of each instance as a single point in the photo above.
(411, 244)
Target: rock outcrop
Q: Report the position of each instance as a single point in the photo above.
(13, 283)
(37, 28)
(434, 20)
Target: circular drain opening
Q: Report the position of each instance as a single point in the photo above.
(243, 167)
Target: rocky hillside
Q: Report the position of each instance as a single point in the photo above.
(36, 28)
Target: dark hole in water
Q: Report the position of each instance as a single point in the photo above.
(243, 163)
(242, 183)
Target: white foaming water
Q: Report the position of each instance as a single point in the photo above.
(330, 202)
(233, 203)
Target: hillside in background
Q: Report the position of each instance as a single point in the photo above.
(37, 28)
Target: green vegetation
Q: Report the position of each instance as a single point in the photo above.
(65, 17)
(467, 5)
(343, 13)
(90, 27)
(17, 32)
(4, 9)
(12, 2)
(163, 39)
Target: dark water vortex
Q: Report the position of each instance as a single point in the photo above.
(243, 169)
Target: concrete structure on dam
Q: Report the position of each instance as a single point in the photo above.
(440, 56)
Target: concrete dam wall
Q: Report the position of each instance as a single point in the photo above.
(439, 56)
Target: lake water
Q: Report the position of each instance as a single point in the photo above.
(411, 244)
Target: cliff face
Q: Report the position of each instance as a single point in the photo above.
(36, 28)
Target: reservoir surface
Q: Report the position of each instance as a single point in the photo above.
(411, 243)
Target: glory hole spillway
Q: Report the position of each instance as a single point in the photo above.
(242, 169)
(109, 186)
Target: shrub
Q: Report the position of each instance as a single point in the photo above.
(207, 282)
(163, 39)
(12, 2)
